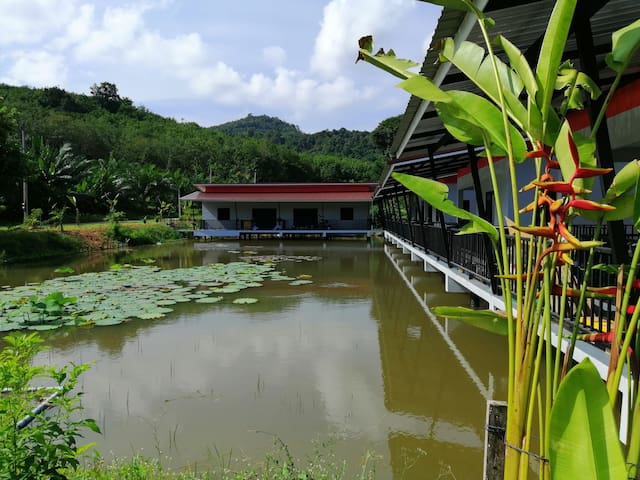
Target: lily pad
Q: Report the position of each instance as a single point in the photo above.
(209, 300)
(245, 301)
(300, 282)
(122, 293)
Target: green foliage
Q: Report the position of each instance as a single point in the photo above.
(148, 234)
(577, 429)
(96, 147)
(279, 465)
(48, 447)
(583, 437)
(22, 246)
(34, 219)
(489, 320)
(341, 143)
(437, 195)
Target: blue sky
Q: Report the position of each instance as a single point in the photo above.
(219, 60)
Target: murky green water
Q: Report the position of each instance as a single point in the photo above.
(352, 359)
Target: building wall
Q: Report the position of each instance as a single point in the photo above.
(328, 214)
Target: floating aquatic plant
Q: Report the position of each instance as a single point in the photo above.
(125, 292)
(245, 301)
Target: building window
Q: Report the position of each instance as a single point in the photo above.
(224, 213)
(346, 213)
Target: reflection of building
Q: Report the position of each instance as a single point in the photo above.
(284, 209)
(435, 371)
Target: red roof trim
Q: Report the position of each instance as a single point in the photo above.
(280, 197)
(624, 99)
(482, 163)
(284, 188)
(449, 180)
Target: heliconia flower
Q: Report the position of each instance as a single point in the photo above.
(631, 309)
(574, 150)
(603, 290)
(636, 283)
(607, 337)
(567, 247)
(553, 164)
(556, 187)
(566, 234)
(564, 259)
(589, 205)
(542, 200)
(547, 232)
(537, 154)
(590, 172)
(571, 292)
(556, 205)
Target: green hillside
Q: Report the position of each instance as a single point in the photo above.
(100, 151)
(343, 142)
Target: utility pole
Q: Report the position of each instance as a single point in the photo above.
(25, 188)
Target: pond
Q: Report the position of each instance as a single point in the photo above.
(353, 360)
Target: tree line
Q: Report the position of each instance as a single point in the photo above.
(91, 154)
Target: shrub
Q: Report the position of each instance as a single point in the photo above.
(46, 447)
(144, 234)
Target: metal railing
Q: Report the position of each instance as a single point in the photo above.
(469, 254)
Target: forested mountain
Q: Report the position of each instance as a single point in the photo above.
(99, 152)
(343, 142)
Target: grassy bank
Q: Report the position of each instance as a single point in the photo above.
(277, 466)
(20, 245)
(25, 246)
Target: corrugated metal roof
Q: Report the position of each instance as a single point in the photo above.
(284, 188)
(523, 22)
(281, 197)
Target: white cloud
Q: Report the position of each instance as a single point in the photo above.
(29, 22)
(117, 33)
(38, 69)
(274, 56)
(79, 42)
(344, 22)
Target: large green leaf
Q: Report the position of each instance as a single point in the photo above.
(551, 53)
(489, 320)
(464, 5)
(583, 436)
(470, 59)
(636, 207)
(624, 181)
(625, 42)
(467, 116)
(476, 110)
(437, 195)
(586, 152)
(424, 88)
(385, 61)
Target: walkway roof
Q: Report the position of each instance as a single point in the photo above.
(523, 22)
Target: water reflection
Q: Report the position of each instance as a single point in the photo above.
(352, 356)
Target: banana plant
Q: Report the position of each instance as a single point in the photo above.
(515, 118)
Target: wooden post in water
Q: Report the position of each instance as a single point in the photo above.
(496, 425)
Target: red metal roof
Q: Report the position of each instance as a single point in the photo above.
(298, 197)
(283, 192)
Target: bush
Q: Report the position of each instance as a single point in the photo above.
(147, 234)
(46, 447)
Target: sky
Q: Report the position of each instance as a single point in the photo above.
(213, 61)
